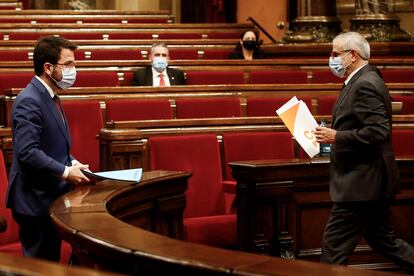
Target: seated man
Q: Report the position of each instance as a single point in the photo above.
(158, 74)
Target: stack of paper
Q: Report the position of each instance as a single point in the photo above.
(124, 175)
(301, 124)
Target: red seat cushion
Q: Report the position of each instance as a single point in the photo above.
(268, 106)
(85, 122)
(214, 77)
(207, 108)
(403, 142)
(256, 146)
(278, 76)
(123, 110)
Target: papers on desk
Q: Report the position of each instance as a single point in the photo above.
(301, 124)
(133, 175)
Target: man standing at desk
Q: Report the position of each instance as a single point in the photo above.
(364, 176)
(42, 168)
(158, 74)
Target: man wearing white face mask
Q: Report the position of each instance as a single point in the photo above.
(43, 168)
(159, 74)
(364, 177)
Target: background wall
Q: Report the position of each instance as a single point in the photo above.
(266, 12)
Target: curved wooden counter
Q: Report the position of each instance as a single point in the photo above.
(111, 225)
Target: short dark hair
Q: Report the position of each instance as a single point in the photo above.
(48, 49)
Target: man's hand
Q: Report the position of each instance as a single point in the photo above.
(76, 177)
(325, 135)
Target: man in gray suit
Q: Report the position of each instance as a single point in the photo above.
(364, 174)
(158, 74)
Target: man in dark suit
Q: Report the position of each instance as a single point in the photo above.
(158, 74)
(364, 175)
(42, 169)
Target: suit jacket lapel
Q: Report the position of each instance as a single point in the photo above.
(345, 90)
(148, 76)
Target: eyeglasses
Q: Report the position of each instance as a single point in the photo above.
(335, 54)
(68, 65)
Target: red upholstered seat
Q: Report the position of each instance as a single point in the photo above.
(278, 76)
(14, 80)
(183, 54)
(128, 35)
(214, 77)
(115, 54)
(207, 108)
(9, 240)
(123, 110)
(85, 122)
(223, 35)
(326, 104)
(179, 35)
(403, 142)
(14, 55)
(325, 76)
(402, 75)
(408, 103)
(96, 79)
(217, 53)
(256, 146)
(268, 106)
(128, 76)
(205, 217)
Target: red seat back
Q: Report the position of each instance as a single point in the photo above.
(183, 54)
(268, 106)
(325, 76)
(200, 155)
(123, 110)
(408, 103)
(402, 75)
(326, 104)
(115, 54)
(14, 80)
(14, 55)
(403, 142)
(11, 234)
(217, 54)
(207, 108)
(256, 146)
(214, 77)
(85, 122)
(278, 76)
(96, 79)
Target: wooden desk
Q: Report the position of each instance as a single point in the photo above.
(284, 205)
(108, 225)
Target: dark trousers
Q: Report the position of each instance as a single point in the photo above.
(349, 222)
(39, 237)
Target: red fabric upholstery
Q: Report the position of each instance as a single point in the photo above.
(217, 54)
(96, 79)
(126, 35)
(27, 35)
(205, 218)
(85, 122)
(223, 35)
(123, 110)
(256, 146)
(268, 106)
(278, 76)
(14, 80)
(207, 108)
(214, 77)
(408, 103)
(403, 75)
(179, 36)
(128, 76)
(403, 142)
(14, 55)
(326, 104)
(325, 76)
(183, 54)
(82, 36)
(115, 54)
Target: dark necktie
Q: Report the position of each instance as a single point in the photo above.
(56, 100)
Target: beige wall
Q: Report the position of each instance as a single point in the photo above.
(266, 12)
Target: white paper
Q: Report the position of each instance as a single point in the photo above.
(301, 124)
(125, 175)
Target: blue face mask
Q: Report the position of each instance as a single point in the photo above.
(68, 78)
(159, 64)
(337, 67)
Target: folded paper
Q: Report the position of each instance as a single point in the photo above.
(301, 124)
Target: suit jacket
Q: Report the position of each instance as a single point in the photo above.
(363, 167)
(143, 77)
(41, 146)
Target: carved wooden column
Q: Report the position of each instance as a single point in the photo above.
(316, 22)
(376, 21)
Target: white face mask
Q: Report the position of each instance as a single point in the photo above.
(68, 78)
(337, 67)
(159, 64)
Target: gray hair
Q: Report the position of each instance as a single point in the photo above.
(158, 44)
(354, 41)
